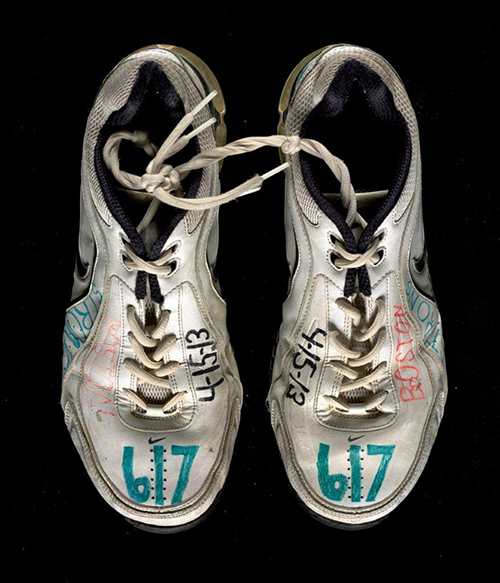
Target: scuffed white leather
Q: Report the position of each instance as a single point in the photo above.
(411, 415)
(102, 423)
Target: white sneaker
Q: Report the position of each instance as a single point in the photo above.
(359, 380)
(151, 392)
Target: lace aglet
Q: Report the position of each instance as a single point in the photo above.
(203, 102)
(255, 183)
(200, 128)
(252, 185)
(276, 170)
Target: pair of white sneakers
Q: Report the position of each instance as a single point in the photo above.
(151, 392)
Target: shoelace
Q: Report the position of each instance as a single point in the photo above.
(158, 369)
(355, 359)
(163, 182)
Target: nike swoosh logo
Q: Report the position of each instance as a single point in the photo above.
(151, 440)
(419, 274)
(420, 262)
(86, 255)
(84, 270)
(81, 268)
(351, 438)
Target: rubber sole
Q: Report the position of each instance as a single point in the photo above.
(335, 523)
(175, 529)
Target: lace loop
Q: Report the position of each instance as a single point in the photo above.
(141, 139)
(352, 260)
(162, 266)
(151, 369)
(355, 359)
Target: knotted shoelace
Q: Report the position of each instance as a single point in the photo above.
(163, 182)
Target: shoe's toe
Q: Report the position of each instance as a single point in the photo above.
(160, 480)
(355, 477)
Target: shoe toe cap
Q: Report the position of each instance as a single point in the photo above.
(352, 478)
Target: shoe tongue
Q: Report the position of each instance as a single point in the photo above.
(150, 235)
(137, 203)
(357, 231)
(367, 203)
(153, 394)
(371, 198)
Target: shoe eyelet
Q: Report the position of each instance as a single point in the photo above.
(331, 255)
(381, 252)
(174, 266)
(332, 258)
(123, 255)
(174, 247)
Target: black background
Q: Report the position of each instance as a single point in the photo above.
(54, 524)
